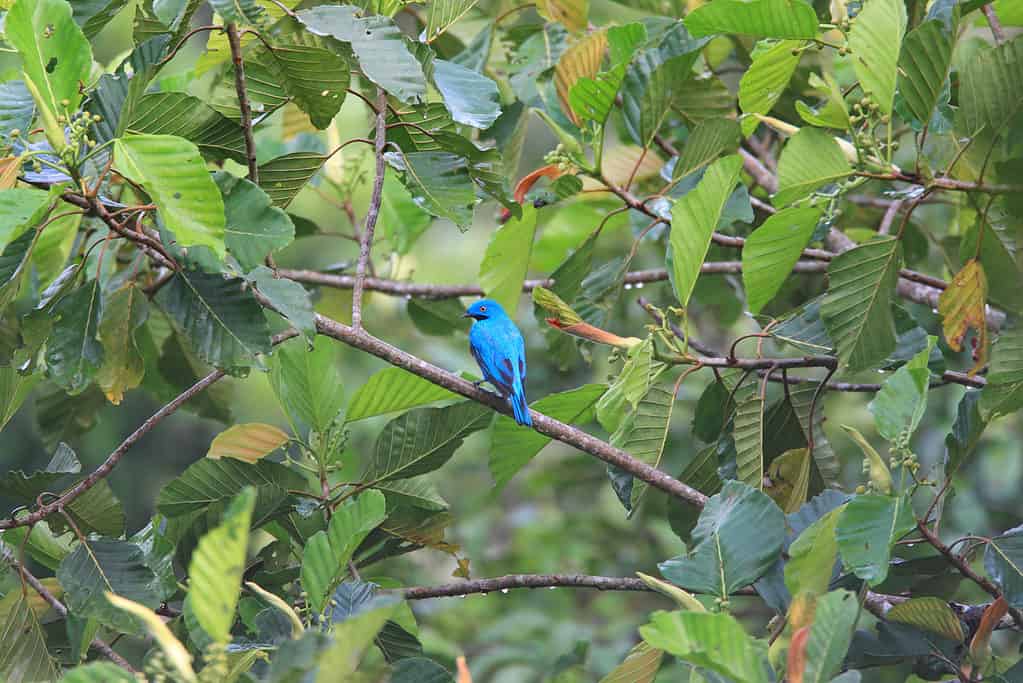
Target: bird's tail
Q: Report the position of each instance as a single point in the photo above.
(519, 406)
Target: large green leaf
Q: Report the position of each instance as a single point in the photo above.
(1003, 561)
(289, 298)
(857, 310)
(393, 389)
(24, 658)
(316, 75)
(42, 545)
(379, 45)
(594, 98)
(14, 389)
(209, 481)
(442, 14)
(439, 182)
(812, 557)
(98, 672)
(771, 252)
(810, 159)
(18, 209)
(962, 440)
(327, 553)
(420, 670)
(172, 171)
(639, 666)
(760, 18)
(712, 641)
(831, 633)
(513, 447)
(643, 434)
(101, 566)
(308, 382)
(224, 322)
(175, 113)
(929, 614)
(749, 433)
(899, 406)
(254, 227)
(351, 638)
(238, 11)
(1003, 394)
(987, 80)
(17, 108)
(402, 222)
(471, 97)
(422, 440)
(284, 177)
(802, 399)
(630, 386)
(867, 527)
(923, 67)
(24, 487)
(124, 312)
(215, 572)
(706, 142)
(55, 58)
(874, 41)
(738, 537)
(506, 260)
(693, 219)
(73, 352)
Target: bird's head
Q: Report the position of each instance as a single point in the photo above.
(483, 309)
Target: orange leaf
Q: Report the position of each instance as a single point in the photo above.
(463, 670)
(797, 655)
(247, 442)
(581, 60)
(980, 646)
(962, 306)
(9, 167)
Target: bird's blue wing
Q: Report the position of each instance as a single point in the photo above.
(500, 353)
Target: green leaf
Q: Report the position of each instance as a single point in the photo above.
(17, 108)
(316, 75)
(643, 435)
(55, 59)
(307, 382)
(900, 405)
(442, 14)
(967, 429)
(14, 389)
(351, 638)
(513, 447)
(880, 476)
(420, 670)
(176, 113)
(712, 641)
(831, 634)
(224, 322)
(207, 482)
(760, 18)
(327, 553)
(418, 492)
(923, 67)
(471, 97)
(422, 440)
(506, 260)
(42, 545)
(874, 42)
(19, 208)
(215, 572)
(801, 397)
(812, 557)
(693, 219)
(124, 312)
(288, 297)
(772, 251)
(73, 351)
(254, 227)
(929, 614)
(391, 390)
(171, 170)
(96, 510)
(379, 45)
(867, 527)
(738, 537)
(283, 177)
(1003, 562)
(809, 160)
(631, 385)
(24, 656)
(238, 11)
(1003, 394)
(707, 141)
(639, 666)
(402, 221)
(98, 672)
(857, 309)
(985, 80)
(439, 182)
(101, 566)
(748, 434)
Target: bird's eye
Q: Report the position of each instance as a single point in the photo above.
(483, 309)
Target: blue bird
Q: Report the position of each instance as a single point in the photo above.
(497, 346)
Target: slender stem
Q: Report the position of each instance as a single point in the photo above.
(243, 101)
(994, 23)
(380, 142)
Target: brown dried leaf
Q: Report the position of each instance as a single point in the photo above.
(247, 442)
(962, 306)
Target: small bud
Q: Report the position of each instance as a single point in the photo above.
(65, 102)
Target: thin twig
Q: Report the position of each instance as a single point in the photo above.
(504, 583)
(994, 23)
(380, 142)
(243, 101)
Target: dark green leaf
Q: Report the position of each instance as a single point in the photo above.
(439, 182)
(284, 177)
(74, 353)
(866, 530)
(175, 113)
(254, 226)
(391, 390)
(1003, 561)
(288, 297)
(923, 67)
(307, 382)
(208, 481)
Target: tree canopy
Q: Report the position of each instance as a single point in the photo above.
(764, 254)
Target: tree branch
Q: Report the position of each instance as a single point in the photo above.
(994, 23)
(243, 101)
(422, 290)
(548, 426)
(504, 583)
(366, 245)
(59, 607)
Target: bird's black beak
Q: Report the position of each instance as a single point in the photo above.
(466, 315)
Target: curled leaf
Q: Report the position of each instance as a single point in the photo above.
(962, 306)
(563, 318)
(880, 476)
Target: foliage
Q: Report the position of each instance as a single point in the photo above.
(256, 212)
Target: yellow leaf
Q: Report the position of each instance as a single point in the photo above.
(963, 305)
(176, 653)
(36, 603)
(295, 121)
(930, 614)
(582, 59)
(9, 167)
(572, 14)
(247, 442)
(880, 475)
(682, 598)
(626, 164)
(123, 366)
(790, 479)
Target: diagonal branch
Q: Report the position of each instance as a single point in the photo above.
(243, 101)
(548, 426)
(380, 142)
(504, 583)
